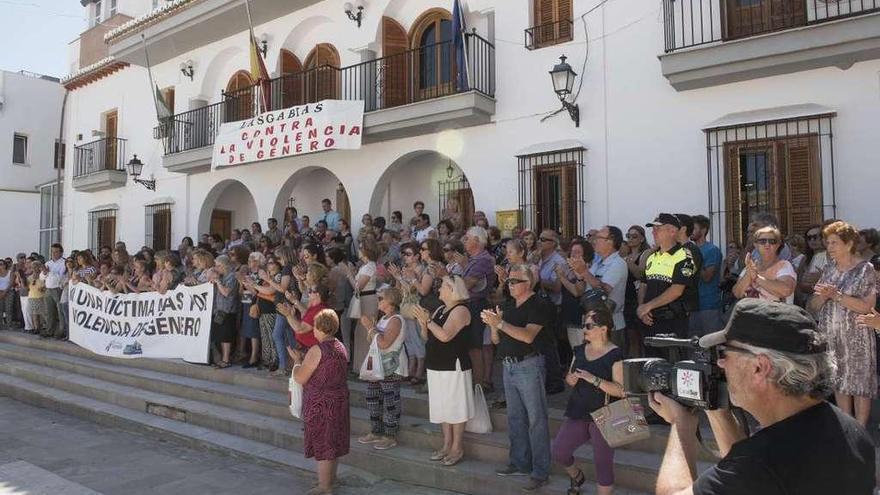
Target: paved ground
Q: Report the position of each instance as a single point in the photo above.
(44, 452)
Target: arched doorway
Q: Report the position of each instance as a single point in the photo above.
(229, 205)
(322, 73)
(396, 69)
(431, 35)
(239, 97)
(426, 176)
(291, 86)
(306, 188)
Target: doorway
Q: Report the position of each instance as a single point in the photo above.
(221, 223)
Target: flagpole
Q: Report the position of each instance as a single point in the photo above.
(261, 100)
(150, 74)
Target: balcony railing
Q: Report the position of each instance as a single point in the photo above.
(548, 34)
(691, 23)
(420, 74)
(100, 155)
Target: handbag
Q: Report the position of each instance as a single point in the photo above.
(621, 422)
(481, 422)
(371, 369)
(220, 317)
(354, 307)
(295, 396)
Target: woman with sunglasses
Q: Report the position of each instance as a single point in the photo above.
(595, 375)
(301, 318)
(768, 277)
(846, 290)
(639, 250)
(814, 261)
(413, 279)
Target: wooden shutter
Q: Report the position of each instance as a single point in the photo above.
(110, 146)
(787, 13)
(239, 97)
(292, 83)
(804, 188)
(732, 199)
(168, 96)
(552, 17)
(563, 18)
(162, 229)
(568, 225)
(106, 231)
(397, 66)
(322, 79)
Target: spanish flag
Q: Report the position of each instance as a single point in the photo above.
(260, 74)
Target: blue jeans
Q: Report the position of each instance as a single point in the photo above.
(280, 335)
(527, 417)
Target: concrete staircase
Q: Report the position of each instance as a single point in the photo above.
(245, 413)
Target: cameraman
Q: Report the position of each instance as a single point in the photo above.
(778, 372)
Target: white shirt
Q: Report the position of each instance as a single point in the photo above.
(57, 270)
(368, 270)
(422, 235)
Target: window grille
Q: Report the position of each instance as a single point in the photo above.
(551, 191)
(102, 229)
(158, 226)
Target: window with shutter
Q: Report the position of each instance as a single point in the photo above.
(322, 73)
(158, 226)
(742, 18)
(239, 97)
(292, 80)
(102, 229)
(395, 71)
(551, 191)
(431, 36)
(552, 23)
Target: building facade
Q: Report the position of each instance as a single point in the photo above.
(30, 113)
(703, 107)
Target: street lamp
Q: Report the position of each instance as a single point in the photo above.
(349, 11)
(264, 44)
(135, 167)
(563, 77)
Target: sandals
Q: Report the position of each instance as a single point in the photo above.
(576, 483)
(437, 455)
(449, 461)
(222, 364)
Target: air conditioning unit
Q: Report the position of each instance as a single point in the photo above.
(822, 10)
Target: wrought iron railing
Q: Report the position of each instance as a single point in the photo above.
(424, 73)
(548, 34)
(102, 154)
(691, 23)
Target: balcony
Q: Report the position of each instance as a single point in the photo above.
(99, 165)
(411, 93)
(549, 34)
(713, 42)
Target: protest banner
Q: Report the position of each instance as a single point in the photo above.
(321, 126)
(176, 324)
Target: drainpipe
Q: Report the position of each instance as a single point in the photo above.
(59, 167)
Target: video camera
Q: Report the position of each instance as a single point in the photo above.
(697, 382)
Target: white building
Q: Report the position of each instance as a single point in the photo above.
(30, 120)
(681, 109)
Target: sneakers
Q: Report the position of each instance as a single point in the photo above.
(533, 485)
(510, 471)
(385, 443)
(369, 438)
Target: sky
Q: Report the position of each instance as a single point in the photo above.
(34, 34)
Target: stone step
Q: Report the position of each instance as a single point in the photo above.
(249, 390)
(402, 463)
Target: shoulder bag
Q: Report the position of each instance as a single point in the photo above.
(621, 422)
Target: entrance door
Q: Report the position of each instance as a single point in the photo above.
(221, 223)
(106, 232)
(555, 199)
(110, 144)
(749, 17)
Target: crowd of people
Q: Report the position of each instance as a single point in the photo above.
(309, 296)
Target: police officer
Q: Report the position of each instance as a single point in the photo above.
(692, 291)
(668, 271)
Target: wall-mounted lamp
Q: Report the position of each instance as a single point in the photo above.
(450, 170)
(135, 167)
(563, 82)
(350, 8)
(187, 69)
(264, 44)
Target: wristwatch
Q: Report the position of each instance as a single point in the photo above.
(596, 381)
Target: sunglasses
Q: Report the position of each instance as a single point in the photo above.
(724, 349)
(545, 239)
(514, 281)
(764, 242)
(812, 237)
(590, 325)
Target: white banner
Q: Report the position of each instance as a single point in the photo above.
(325, 125)
(174, 325)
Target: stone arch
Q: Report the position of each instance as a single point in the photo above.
(305, 189)
(218, 70)
(228, 195)
(417, 175)
(296, 40)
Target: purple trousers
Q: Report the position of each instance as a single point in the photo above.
(576, 432)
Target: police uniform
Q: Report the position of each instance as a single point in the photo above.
(662, 270)
(692, 291)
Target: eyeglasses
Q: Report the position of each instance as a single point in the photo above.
(724, 349)
(514, 281)
(812, 237)
(766, 241)
(590, 325)
(632, 236)
(547, 239)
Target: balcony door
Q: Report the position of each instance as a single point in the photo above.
(432, 36)
(292, 80)
(109, 160)
(239, 97)
(750, 17)
(322, 73)
(395, 71)
(553, 22)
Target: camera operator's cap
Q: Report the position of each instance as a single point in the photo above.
(665, 219)
(771, 325)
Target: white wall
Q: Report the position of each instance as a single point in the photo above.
(646, 148)
(19, 222)
(237, 199)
